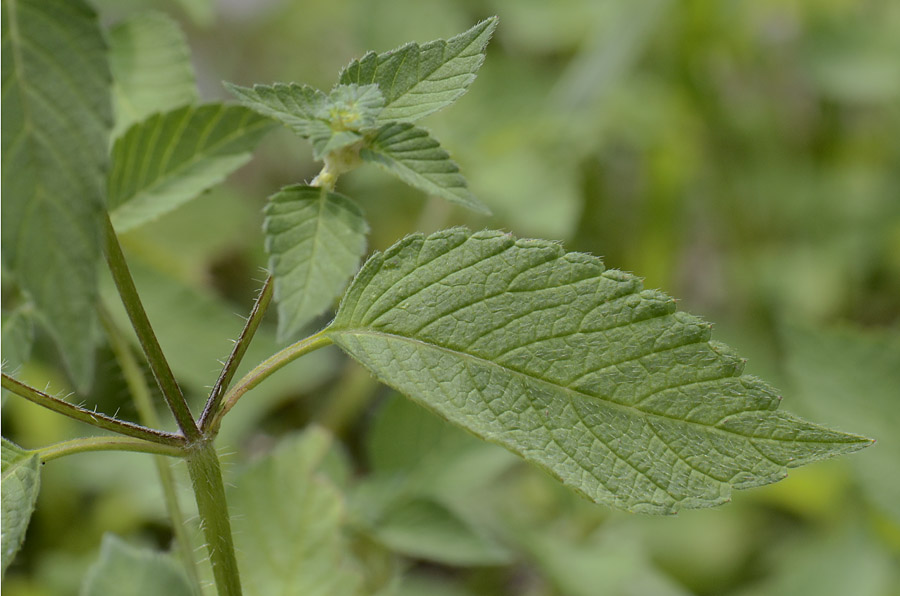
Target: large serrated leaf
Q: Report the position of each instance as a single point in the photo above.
(125, 570)
(575, 367)
(16, 337)
(56, 122)
(21, 480)
(315, 240)
(288, 520)
(172, 157)
(419, 80)
(151, 67)
(415, 157)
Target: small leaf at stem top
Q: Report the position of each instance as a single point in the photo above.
(419, 80)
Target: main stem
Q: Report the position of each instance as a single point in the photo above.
(206, 477)
(158, 364)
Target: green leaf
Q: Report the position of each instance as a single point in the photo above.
(151, 67)
(295, 106)
(315, 240)
(574, 367)
(419, 80)
(56, 122)
(172, 157)
(21, 479)
(125, 570)
(413, 156)
(288, 520)
(331, 121)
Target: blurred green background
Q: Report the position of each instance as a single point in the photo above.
(742, 156)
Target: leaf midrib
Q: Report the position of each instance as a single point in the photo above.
(628, 409)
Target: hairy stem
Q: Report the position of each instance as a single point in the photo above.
(265, 368)
(158, 364)
(90, 417)
(237, 354)
(143, 401)
(84, 445)
(206, 476)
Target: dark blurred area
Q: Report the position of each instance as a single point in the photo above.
(742, 156)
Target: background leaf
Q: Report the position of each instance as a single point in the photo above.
(287, 522)
(315, 240)
(419, 80)
(151, 68)
(57, 117)
(125, 570)
(172, 157)
(574, 367)
(413, 156)
(21, 484)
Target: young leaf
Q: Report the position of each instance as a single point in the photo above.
(172, 157)
(419, 80)
(295, 106)
(21, 480)
(413, 156)
(125, 570)
(315, 240)
(574, 367)
(288, 520)
(151, 67)
(56, 122)
(348, 110)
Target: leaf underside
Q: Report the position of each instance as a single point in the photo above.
(416, 158)
(575, 367)
(315, 240)
(419, 80)
(21, 483)
(56, 122)
(172, 157)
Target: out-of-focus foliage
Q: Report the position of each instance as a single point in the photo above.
(744, 156)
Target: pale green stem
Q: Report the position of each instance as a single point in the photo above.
(206, 476)
(143, 401)
(266, 368)
(87, 444)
